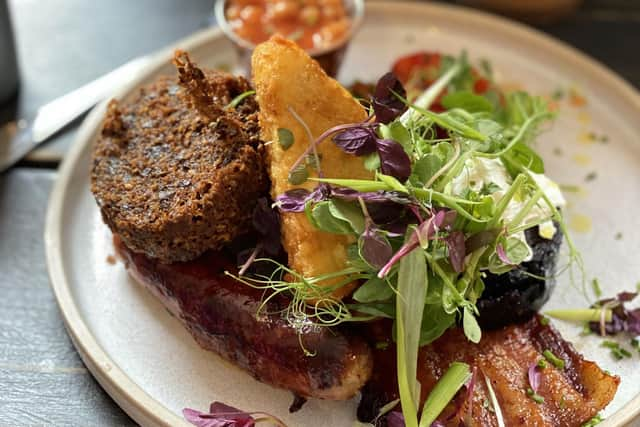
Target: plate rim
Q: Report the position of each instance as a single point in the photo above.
(136, 402)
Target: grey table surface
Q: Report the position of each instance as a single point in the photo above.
(64, 44)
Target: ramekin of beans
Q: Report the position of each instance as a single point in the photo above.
(322, 27)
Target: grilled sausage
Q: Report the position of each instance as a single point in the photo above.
(220, 313)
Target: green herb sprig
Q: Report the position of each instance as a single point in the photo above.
(434, 276)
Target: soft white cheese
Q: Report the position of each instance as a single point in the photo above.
(480, 171)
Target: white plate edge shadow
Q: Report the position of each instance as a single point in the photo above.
(132, 398)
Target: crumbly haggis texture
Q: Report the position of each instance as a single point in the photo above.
(172, 181)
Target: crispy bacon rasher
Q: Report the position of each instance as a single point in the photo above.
(572, 395)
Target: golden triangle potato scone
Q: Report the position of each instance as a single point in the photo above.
(285, 78)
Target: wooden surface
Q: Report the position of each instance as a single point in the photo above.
(63, 44)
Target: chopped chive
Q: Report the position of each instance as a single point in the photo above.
(581, 314)
(544, 320)
(617, 352)
(625, 352)
(446, 388)
(285, 138)
(535, 396)
(238, 99)
(595, 284)
(586, 330)
(635, 343)
(542, 364)
(593, 421)
(570, 188)
(553, 359)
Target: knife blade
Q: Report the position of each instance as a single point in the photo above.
(17, 139)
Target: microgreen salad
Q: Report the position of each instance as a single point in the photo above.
(451, 196)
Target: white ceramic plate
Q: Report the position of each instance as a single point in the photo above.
(153, 368)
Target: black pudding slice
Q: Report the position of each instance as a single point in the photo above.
(515, 296)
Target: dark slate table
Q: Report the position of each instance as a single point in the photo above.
(64, 44)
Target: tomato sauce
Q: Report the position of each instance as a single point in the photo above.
(312, 24)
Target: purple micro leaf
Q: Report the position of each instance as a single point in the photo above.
(199, 419)
(633, 321)
(617, 324)
(395, 419)
(461, 401)
(480, 239)
(293, 200)
(449, 218)
(231, 418)
(386, 104)
(415, 210)
(626, 296)
(357, 141)
(394, 161)
(425, 231)
(396, 228)
(384, 207)
(410, 245)
(321, 192)
(386, 213)
(221, 415)
(535, 376)
(622, 319)
(296, 199)
(503, 255)
(469, 399)
(376, 250)
(239, 418)
(455, 244)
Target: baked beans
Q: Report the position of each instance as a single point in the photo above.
(313, 24)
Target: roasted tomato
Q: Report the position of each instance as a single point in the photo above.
(418, 71)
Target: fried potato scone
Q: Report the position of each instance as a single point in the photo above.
(287, 79)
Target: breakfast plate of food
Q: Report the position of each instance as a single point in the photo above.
(442, 235)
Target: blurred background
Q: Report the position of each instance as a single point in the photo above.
(61, 45)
